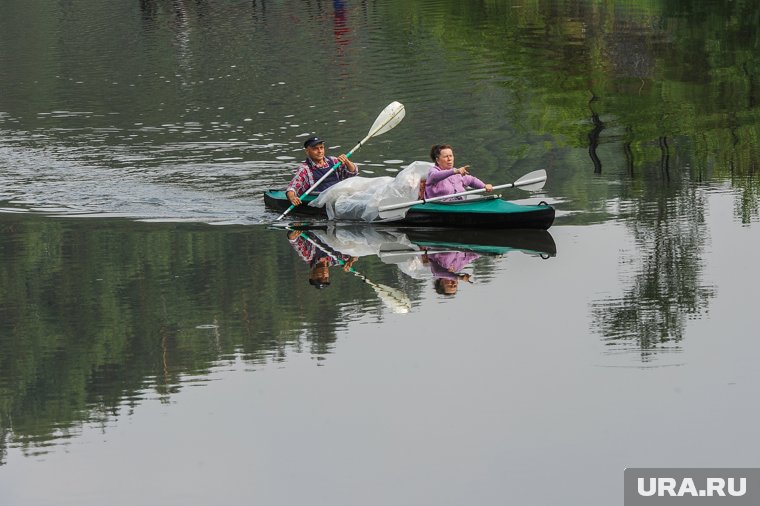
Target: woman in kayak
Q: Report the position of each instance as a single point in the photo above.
(444, 179)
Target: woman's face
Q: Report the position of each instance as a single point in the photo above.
(450, 286)
(445, 159)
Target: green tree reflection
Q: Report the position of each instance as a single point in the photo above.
(662, 96)
(663, 274)
(96, 316)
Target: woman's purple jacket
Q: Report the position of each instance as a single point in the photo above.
(442, 182)
(448, 265)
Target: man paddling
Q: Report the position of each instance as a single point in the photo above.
(316, 165)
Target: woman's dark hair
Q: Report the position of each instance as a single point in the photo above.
(435, 151)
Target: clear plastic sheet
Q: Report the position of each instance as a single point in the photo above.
(358, 198)
(391, 246)
(358, 241)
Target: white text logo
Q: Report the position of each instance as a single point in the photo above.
(713, 487)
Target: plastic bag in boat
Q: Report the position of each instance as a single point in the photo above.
(391, 246)
(348, 199)
(358, 198)
(361, 240)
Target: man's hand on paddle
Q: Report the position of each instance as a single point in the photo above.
(293, 198)
(348, 164)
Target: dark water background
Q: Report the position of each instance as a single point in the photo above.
(160, 343)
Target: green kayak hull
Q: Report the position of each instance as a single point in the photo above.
(482, 213)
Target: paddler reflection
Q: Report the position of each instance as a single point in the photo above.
(447, 268)
(321, 251)
(318, 258)
(419, 254)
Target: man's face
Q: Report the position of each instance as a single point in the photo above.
(316, 153)
(321, 272)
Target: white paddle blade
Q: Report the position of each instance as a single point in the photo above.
(388, 118)
(532, 181)
(395, 300)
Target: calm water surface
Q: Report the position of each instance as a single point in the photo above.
(160, 342)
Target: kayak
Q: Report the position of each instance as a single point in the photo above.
(494, 242)
(486, 212)
(399, 240)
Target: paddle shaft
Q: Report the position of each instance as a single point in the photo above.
(468, 192)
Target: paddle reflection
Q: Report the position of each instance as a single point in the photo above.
(441, 258)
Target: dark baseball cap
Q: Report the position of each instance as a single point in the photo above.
(313, 141)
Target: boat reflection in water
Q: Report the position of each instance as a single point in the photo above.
(440, 255)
